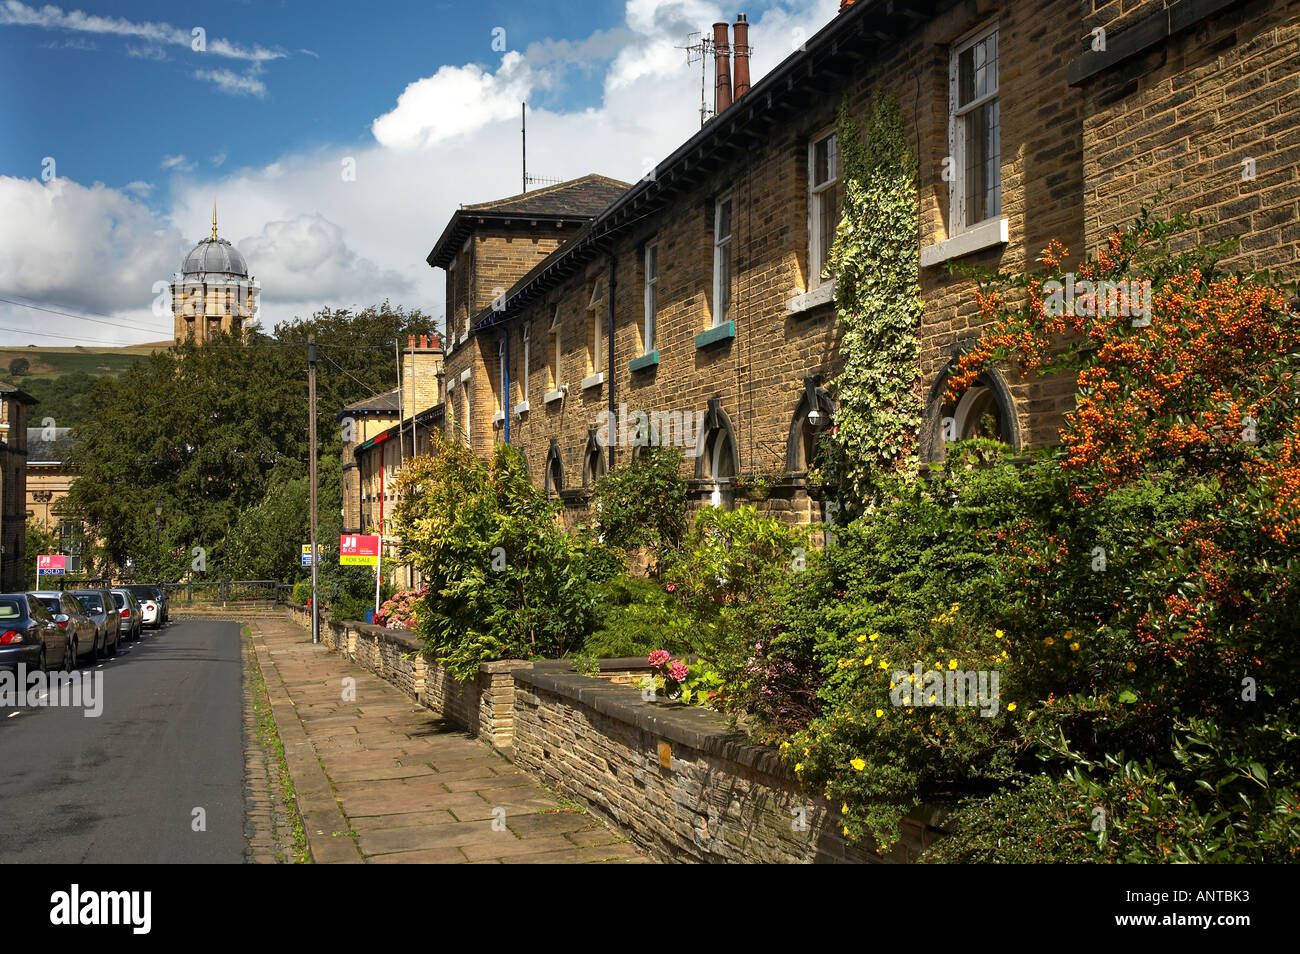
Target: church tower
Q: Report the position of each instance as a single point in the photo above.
(213, 291)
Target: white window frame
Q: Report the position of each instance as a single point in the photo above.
(722, 245)
(650, 263)
(503, 399)
(557, 353)
(597, 350)
(523, 393)
(957, 215)
(816, 254)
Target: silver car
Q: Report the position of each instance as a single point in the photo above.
(130, 613)
(99, 607)
(71, 617)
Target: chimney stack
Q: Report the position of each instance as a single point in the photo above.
(742, 55)
(722, 58)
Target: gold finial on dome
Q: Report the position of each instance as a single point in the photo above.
(214, 220)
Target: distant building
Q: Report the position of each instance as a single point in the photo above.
(49, 477)
(13, 485)
(213, 292)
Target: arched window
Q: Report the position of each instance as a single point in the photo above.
(812, 416)
(593, 459)
(985, 409)
(554, 469)
(719, 463)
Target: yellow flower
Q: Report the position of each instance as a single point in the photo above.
(874, 637)
(998, 634)
(862, 639)
(784, 746)
(1074, 647)
(867, 661)
(880, 713)
(883, 664)
(844, 809)
(1131, 667)
(1049, 641)
(1011, 707)
(798, 766)
(805, 752)
(846, 829)
(952, 664)
(858, 764)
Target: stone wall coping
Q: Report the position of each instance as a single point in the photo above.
(614, 664)
(698, 728)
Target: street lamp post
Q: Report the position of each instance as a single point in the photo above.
(157, 539)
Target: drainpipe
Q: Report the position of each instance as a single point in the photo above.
(505, 381)
(609, 347)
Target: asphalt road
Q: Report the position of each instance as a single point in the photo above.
(122, 787)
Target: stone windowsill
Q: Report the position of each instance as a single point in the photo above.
(521, 409)
(498, 417)
(593, 380)
(821, 295)
(464, 375)
(648, 360)
(723, 332)
(552, 396)
(976, 239)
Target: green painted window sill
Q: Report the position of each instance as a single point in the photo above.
(645, 361)
(723, 332)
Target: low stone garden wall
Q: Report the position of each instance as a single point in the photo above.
(676, 778)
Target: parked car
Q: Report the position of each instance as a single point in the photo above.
(29, 634)
(99, 607)
(72, 618)
(132, 616)
(152, 600)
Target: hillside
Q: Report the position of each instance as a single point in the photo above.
(61, 378)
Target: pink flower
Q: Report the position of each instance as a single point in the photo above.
(658, 657)
(678, 671)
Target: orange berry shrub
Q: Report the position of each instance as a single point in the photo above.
(1136, 589)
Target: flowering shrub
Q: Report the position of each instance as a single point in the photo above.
(694, 684)
(1135, 590)
(399, 612)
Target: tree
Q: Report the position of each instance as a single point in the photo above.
(18, 367)
(212, 430)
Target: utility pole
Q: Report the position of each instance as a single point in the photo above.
(523, 142)
(311, 465)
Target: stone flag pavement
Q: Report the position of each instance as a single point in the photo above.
(381, 780)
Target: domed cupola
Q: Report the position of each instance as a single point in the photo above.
(213, 292)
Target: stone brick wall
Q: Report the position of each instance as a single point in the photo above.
(709, 798)
(1186, 114)
(782, 334)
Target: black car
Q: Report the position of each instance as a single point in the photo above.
(29, 634)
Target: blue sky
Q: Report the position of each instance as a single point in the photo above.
(422, 97)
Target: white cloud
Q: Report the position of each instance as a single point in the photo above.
(49, 17)
(454, 101)
(312, 237)
(228, 81)
(218, 159)
(177, 163)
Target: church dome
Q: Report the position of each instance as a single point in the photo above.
(215, 256)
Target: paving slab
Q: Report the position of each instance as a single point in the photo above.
(381, 780)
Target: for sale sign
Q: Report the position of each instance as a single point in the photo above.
(359, 549)
(51, 563)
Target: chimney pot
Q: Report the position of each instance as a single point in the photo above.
(722, 60)
(742, 55)
(410, 341)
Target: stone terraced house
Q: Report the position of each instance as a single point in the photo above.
(696, 294)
